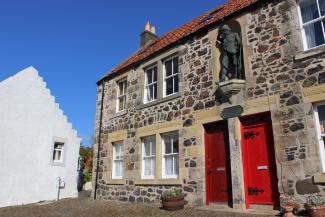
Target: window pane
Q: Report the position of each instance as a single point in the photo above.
(168, 149)
(153, 148)
(175, 144)
(149, 76)
(155, 91)
(151, 93)
(169, 165)
(309, 10)
(155, 74)
(176, 165)
(322, 7)
(314, 34)
(176, 84)
(321, 115)
(121, 86)
(168, 67)
(146, 148)
(169, 86)
(175, 65)
(125, 86)
(121, 103)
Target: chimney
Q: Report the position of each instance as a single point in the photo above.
(148, 35)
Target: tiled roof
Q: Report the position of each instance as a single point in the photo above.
(217, 14)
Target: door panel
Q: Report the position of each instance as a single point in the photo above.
(217, 164)
(259, 161)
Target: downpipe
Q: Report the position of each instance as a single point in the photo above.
(59, 184)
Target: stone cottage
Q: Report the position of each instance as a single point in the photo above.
(39, 148)
(242, 129)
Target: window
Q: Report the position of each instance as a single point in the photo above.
(170, 155)
(121, 96)
(150, 91)
(117, 170)
(320, 122)
(148, 157)
(171, 76)
(313, 22)
(57, 152)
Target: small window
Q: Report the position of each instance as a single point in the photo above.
(121, 95)
(170, 155)
(58, 152)
(171, 76)
(150, 91)
(148, 157)
(313, 22)
(117, 170)
(320, 123)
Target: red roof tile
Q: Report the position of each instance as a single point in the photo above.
(232, 6)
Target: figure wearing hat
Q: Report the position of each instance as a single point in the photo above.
(230, 43)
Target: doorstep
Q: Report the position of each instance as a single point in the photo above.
(227, 209)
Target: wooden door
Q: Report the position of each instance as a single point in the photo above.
(218, 182)
(259, 161)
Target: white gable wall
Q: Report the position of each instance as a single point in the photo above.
(30, 120)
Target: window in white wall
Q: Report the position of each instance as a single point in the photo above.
(320, 124)
(171, 84)
(117, 170)
(170, 161)
(58, 152)
(121, 95)
(312, 16)
(150, 90)
(148, 157)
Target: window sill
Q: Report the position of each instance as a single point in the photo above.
(116, 182)
(158, 182)
(121, 113)
(310, 53)
(57, 163)
(158, 101)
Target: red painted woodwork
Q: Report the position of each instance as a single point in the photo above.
(217, 164)
(259, 161)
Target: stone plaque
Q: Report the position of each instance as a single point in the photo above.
(231, 112)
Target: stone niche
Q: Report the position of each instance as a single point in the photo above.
(235, 28)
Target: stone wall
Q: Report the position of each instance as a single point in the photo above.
(277, 71)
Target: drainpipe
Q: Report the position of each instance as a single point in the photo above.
(58, 184)
(99, 136)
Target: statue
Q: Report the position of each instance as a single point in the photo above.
(231, 46)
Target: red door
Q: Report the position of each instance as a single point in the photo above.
(259, 161)
(217, 164)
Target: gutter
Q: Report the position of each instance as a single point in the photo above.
(98, 139)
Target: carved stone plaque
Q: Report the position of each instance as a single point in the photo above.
(231, 112)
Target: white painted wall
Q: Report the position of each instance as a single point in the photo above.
(30, 119)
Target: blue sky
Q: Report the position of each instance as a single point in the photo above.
(73, 43)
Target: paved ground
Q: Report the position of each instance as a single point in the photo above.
(86, 207)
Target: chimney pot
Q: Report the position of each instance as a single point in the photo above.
(148, 35)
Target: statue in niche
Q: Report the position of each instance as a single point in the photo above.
(230, 45)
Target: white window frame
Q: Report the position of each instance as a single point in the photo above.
(147, 86)
(152, 140)
(170, 76)
(60, 150)
(303, 25)
(319, 135)
(164, 175)
(119, 95)
(116, 158)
